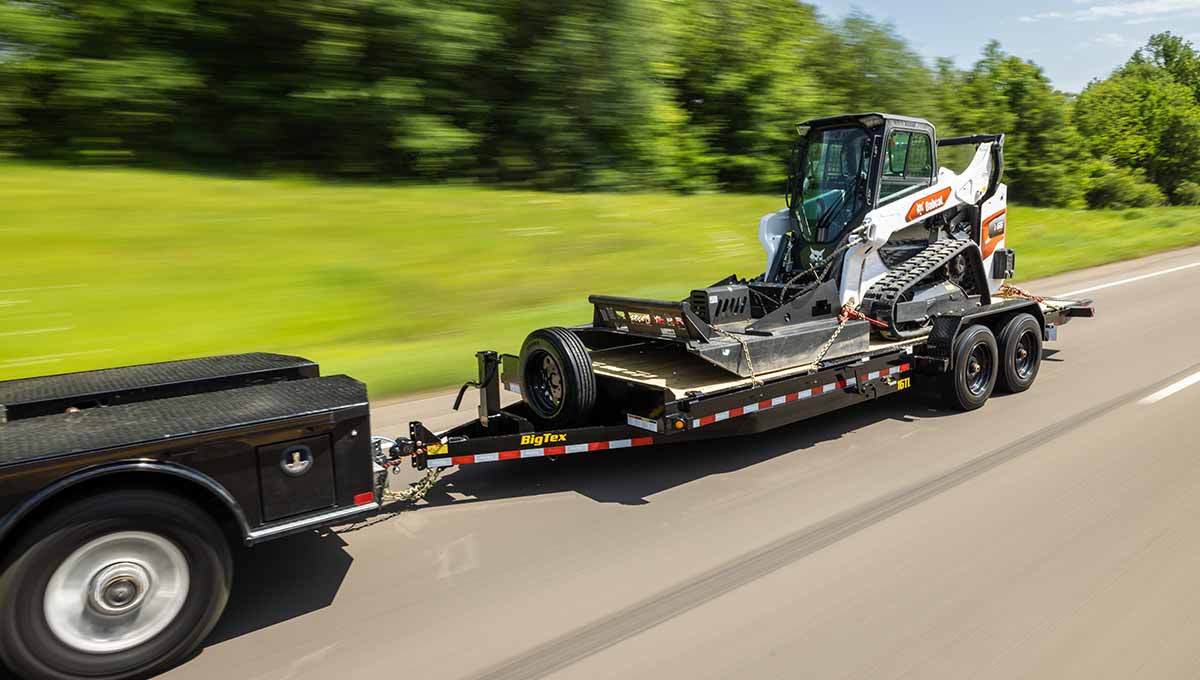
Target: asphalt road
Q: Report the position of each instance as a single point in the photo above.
(1052, 534)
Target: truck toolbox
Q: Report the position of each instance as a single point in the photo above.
(41, 396)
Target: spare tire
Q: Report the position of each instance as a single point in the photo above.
(556, 378)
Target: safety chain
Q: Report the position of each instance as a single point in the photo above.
(1010, 290)
(745, 354)
(850, 310)
(415, 491)
(842, 319)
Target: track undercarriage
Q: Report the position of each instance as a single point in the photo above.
(947, 276)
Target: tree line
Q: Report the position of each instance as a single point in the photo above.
(594, 94)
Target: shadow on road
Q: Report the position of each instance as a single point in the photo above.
(284, 579)
(280, 580)
(630, 476)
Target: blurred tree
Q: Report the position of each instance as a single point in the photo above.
(866, 65)
(95, 79)
(1142, 118)
(1172, 54)
(740, 72)
(1002, 93)
(596, 94)
(574, 98)
(1109, 186)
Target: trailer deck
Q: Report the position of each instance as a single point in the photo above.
(696, 400)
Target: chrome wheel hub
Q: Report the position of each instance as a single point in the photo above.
(119, 588)
(116, 592)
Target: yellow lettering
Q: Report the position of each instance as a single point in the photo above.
(539, 439)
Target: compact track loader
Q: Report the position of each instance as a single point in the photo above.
(873, 229)
(871, 213)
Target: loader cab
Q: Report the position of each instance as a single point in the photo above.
(842, 168)
(908, 160)
(845, 166)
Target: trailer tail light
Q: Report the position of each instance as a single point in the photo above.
(364, 498)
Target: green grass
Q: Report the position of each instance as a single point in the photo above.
(397, 285)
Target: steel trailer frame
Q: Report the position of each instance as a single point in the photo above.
(509, 433)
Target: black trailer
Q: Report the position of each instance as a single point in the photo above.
(650, 391)
(123, 490)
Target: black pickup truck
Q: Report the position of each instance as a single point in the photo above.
(123, 492)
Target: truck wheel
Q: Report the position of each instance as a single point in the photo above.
(556, 377)
(1020, 353)
(120, 585)
(973, 377)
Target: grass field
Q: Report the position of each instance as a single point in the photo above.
(398, 286)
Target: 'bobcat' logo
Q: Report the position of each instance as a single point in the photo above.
(927, 204)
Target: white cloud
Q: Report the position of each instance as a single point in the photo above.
(1109, 40)
(1139, 11)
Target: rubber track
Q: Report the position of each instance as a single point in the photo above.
(881, 299)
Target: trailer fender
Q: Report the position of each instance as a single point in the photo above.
(198, 481)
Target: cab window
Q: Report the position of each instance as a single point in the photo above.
(908, 164)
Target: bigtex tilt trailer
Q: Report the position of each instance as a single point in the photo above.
(882, 269)
(124, 489)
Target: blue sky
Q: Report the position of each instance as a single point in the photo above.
(1073, 40)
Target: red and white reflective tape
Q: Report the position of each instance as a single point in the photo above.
(795, 396)
(539, 452)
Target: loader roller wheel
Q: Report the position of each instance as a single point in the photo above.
(557, 380)
(976, 364)
(1020, 353)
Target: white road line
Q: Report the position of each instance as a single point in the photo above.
(1171, 389)
(1125, 281)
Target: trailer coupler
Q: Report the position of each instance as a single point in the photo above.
(420, 440)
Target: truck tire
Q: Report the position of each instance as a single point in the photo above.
(972, 376)
(557, 380)
(116, 586)
(1020, 353)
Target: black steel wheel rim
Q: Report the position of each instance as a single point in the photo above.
(545, 383)
(979, 369)
(1025, 358)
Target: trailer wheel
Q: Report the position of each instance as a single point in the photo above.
(973, 376)
(556, 377)
(120, 585)
(1020, 353)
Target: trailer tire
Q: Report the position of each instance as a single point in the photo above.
(120, 585)
(1020, 353)
(557, 380)
(972, 375)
